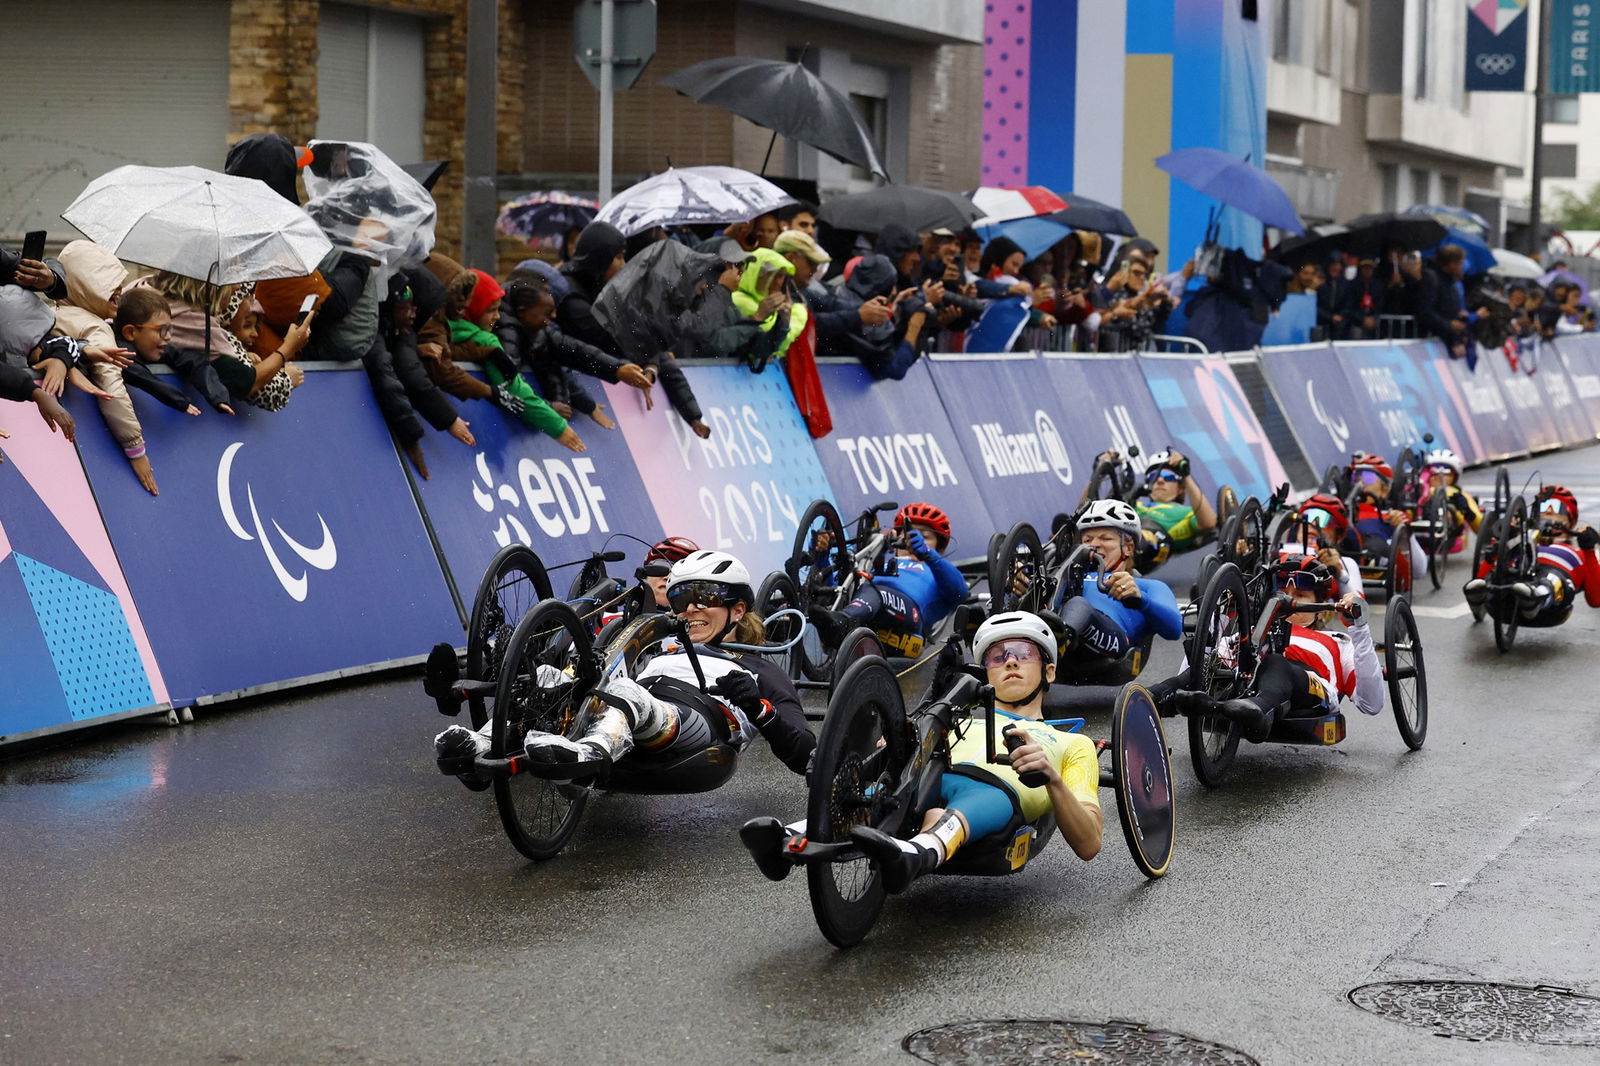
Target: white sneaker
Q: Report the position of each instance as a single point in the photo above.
(1530, 593)
(554, 748)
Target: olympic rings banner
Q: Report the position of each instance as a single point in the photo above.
(1497, 46)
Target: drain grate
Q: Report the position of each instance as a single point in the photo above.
(1002, 1043)
(1479, 1010)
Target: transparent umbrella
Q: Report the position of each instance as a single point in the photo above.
(686, 196)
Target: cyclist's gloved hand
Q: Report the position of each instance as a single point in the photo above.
(740, 690)
(1181, 467)
(918, 546)
(1588, 539)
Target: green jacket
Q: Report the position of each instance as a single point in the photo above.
(747, 298)
(535, 412)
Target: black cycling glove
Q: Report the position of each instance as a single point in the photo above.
(1588, 539)
(740, 690)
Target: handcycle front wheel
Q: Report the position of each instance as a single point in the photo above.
(514, 583)
(1216, 668)
(1018, 552)
(860, 750)
(777, 592)
(818, 575)
(1243, 540)
(1513, 560)
(539, 815)
(1404, 673)
(1437, 513)
(1142, 773)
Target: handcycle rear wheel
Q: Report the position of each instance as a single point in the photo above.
(1513, 560)
(1404, 673)
(1142, 774)
(1437, 513)
(818, 576)
(513, 585)
(1019, 550)
(851, 779)
(539, 815)
(859, 643)
(1397, 568)
(1215, 667)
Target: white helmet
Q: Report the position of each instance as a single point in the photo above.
(1110, 514)
(716, 566)
(1443, 457)
(1160, 460)
(1015, 624)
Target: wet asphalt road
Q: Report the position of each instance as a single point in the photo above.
(295, 883)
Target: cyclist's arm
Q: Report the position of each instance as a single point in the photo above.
(1075, 798)
(1205, 515)
(1160, 609)
(1368, 694)
(1468, 507)
(1588, 575)
(785, 730)
(947, 579)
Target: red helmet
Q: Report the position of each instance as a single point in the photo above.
(1309, 576)
(1368, 461)
(1568, 501)
(926, 514)
(1337, 517)
(671, 549)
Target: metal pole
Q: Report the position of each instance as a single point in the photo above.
(608, 32)
(477, 227)
(1535, 245)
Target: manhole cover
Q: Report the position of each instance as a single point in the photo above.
(1003, 1043)
(1478, 1010)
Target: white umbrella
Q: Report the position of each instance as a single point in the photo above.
(198, 223)
(1509, 264)
(690, 196)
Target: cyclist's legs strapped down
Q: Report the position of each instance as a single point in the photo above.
(1284, 686)
(987, 808)
(1093, 631)
(1553, 609)
(630, 717)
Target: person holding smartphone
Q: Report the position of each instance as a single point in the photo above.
(31, 270)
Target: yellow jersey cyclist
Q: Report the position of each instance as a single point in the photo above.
(1174, 514)
(1442, 466)
(980, 799)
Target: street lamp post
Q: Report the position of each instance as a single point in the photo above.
(1535, 243)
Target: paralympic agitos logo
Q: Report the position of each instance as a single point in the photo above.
(323, 557)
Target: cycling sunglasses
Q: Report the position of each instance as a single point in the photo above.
(1024, 651)
(1163, 475)
(1369, 477)
(701, 594)
(1298, 580)
(1316, 516)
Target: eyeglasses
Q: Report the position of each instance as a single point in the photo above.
(700, 594)
(1023, 651)
(164, 332)
(1163, 475)
(1317, 517)
(1298, 580)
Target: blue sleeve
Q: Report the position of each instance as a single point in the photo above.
(897, 365)
(952, 587)
(1161, 608)
(989, 289)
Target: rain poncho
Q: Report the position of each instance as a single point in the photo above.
(367, 204)
(749, 295)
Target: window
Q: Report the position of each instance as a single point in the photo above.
(1325, 30)
(1560, 160)
(1561, 110)
(874, 111)
(1389, 181)
(1247, 10)
(1284, 45)
(370, 79)
(1421, 186)
(1450, 190)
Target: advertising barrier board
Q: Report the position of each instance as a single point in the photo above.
(1320, 403)
(1395, 384)
(283, 545)
(1211, 421)
(1111, 407)
(1581, 358)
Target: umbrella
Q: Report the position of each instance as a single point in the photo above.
(641, 306)
(1549, 278)
(368, 205)
(1376, 233)
(427, 172)
(1509, 264)
(1094, 216)
(917, 209)
(1456, 218)
(1234, 181)
(1034, 236)
(1001, 203)
(785, 98)
(544, 215)
(1316, 245)
(1480, 257)
(691, 196)
(198, 223)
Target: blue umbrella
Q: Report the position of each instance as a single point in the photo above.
(1035, 236)
(1234, 181)
(1455, 218)
(1480, 257)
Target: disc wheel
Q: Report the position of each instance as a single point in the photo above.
(778, 592)
(1513, 560)
(1404, 673)
(1216, 667)
(1227, 504)
(1143, 776)
(1018, 557)
(859, 643)
(540, 816)
(512, 586)
(819, 565)
(861, 749)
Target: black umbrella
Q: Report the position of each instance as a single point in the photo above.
(786, 98)
(1316, 245)
(641, 306)
(917, 209)
(1372, 234)
(1092, 215)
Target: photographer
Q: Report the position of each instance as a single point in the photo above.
(1138, 309)
(888, 348)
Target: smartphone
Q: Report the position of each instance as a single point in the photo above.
(306, 307)
(33, 245)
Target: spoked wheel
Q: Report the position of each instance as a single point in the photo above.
(777, 592)
(1105, 481)
(859, 643)
(1502, 491)
(1335, 480)
(539, 816)
(1404, 672)
(862, 747)
(512, 586)
(1227, 504)
(1483, 550)
(1019, 554)
(1278, 531)
(590, 575)
(1243, 540)
(1436, 511)
(1513, 560)
(1143, 776)
(1216, 667)
(819, 564)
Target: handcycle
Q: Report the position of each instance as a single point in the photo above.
(1508, 545)
(877, 766)
(540, 803)
(1387, 573)
(1243, 619)
(1118, 479)
(1489, 531)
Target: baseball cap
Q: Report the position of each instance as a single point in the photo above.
(793, 240)
(731, 251)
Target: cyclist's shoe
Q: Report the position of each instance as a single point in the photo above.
(833, 626)
(900, 862)
(1476, 592)
(456, 750)
(1529, 593)
(1255, 722)
(439, 679)
(764, 838)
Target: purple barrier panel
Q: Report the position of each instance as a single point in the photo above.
(1498, 429)
(744, 488)
(1474, 442)
(283, 546)
(517, 484)
(1321, 403)
(1524, 399)
(73, 645)
(892, 441)
(1390, 379)
(1211, 422)
(1570, 410)
(1580, 355)
(1010, 422)
(1112, 406)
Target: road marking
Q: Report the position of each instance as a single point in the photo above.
(1455, 610)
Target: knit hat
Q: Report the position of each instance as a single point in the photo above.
(485, 294)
